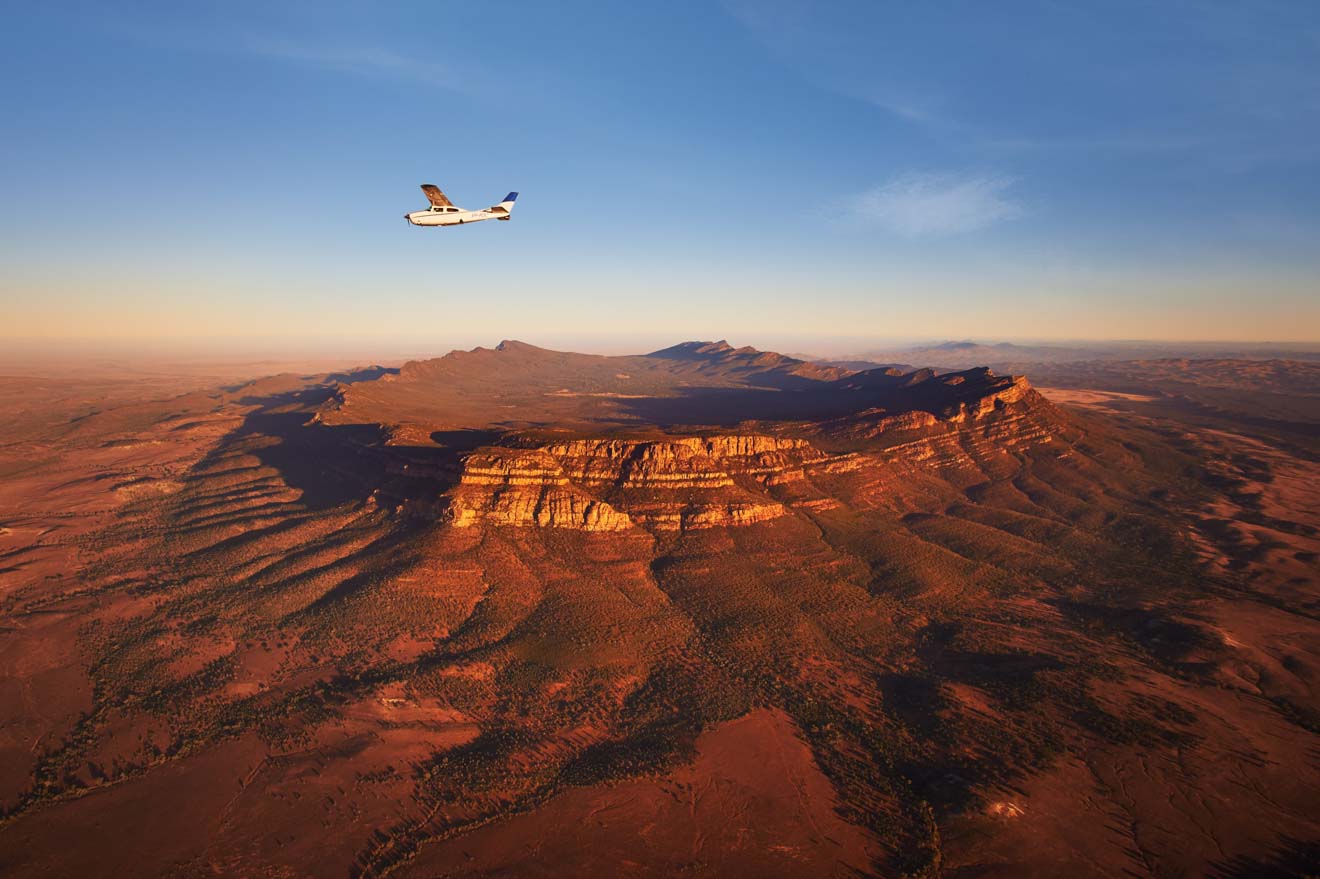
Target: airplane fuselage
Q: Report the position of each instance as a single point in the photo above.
(452, 216)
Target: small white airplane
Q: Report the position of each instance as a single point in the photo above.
(443, 213)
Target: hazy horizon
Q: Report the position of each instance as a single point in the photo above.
(348, 351)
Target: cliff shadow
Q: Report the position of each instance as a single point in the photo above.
(729, 406)
(808, 400)
(329, 465)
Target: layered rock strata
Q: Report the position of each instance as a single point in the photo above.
(733, 480)
(613, 484)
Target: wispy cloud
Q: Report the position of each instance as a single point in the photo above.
(1142, 142)
(1241, 84)
(363, 61)
(924, 205)
(908, 105)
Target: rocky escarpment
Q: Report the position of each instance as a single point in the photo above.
(685, 462)
(1004, 407)
(729, 480)
(614, 484)
(525, 487)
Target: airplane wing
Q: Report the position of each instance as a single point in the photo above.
(437, 198)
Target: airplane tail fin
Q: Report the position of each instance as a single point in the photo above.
(505, 207)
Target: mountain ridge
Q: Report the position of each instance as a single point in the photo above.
(517, 385)
(602, 460)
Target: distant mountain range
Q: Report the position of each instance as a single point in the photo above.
(1008, 355)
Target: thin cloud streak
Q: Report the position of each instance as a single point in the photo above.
(858, 52)
(362, 61)
(932, 205)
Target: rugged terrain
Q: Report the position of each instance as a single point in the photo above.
(517, 612)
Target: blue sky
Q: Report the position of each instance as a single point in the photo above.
(762, 171)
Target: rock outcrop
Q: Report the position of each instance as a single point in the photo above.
(614, 484)
(524, 487)
(679, 483)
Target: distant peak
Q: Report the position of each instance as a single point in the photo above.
(707, 347)
(694, 349)
(515, 345)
